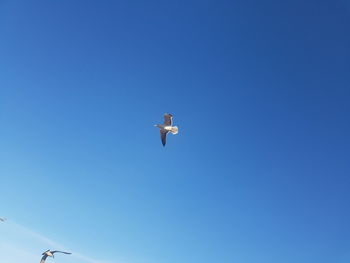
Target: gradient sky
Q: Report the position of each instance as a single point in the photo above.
(259, 172)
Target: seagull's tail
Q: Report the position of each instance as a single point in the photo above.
(174, 130)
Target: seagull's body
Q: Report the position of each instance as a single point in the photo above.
(167, 127)
(3, 219)
(49, 253)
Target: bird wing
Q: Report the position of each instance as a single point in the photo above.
(57, 251)
(163, 136)
(168, 119)
(43, 258)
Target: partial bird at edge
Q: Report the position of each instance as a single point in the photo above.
(49, 253)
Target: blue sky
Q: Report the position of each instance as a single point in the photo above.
(259, 171)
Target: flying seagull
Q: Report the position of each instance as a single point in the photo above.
(49, 253)
(167, 127)
(3, 219)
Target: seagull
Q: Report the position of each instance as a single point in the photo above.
(3, 219)
(167, 127)
(49, 253)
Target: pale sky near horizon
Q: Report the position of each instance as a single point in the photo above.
(259, 172)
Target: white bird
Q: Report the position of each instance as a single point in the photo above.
(49, 253)
(167, 127)
(3, 219)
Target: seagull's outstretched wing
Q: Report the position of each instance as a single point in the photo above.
(168, 119)
(3, 219)
(57, 251)
(43, 258)
(163, 136)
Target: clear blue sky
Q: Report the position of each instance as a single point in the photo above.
(260, 90)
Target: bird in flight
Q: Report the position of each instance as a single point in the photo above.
(49, 253)
(167, 127)
(3, 219)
